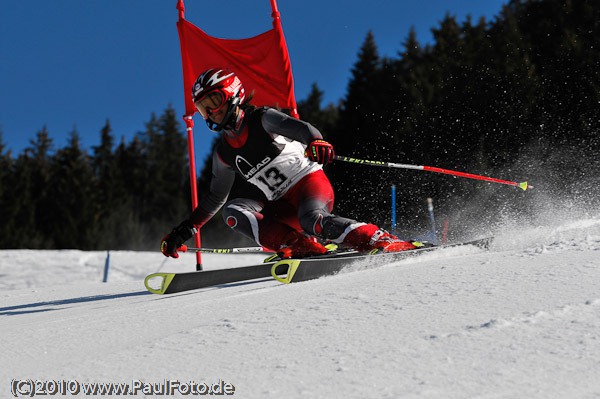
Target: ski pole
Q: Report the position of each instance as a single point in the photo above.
(243, 250)
(524, 186)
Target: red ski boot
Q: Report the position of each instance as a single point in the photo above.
(368, 237)
(297, 245)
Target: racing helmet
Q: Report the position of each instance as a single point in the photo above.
(212, 90)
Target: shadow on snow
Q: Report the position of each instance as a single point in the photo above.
(19, 309)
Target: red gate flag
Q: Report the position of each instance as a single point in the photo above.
(261, 62)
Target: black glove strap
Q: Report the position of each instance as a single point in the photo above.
(183, 232)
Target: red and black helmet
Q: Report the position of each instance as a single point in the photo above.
(215, 88)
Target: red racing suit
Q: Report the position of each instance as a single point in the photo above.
(268, 151)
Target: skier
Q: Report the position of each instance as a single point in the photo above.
(282, 156)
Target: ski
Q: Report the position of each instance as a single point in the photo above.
(170, 283)
(178, 282)
(297, 270)
(291, 270)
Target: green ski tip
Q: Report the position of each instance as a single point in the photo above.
(524, 186)
(165, 280)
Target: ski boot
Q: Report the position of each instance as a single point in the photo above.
(297, 245)
(370, 238)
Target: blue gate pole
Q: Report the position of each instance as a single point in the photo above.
(432, 219)
(106, 267)
(393, 209)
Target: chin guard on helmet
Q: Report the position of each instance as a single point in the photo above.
(230, 90)
(228, 121)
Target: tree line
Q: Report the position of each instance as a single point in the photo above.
(515, 98)
(113, 197)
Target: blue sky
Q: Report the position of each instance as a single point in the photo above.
(74, 64)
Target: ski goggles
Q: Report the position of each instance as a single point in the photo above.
(212, 102)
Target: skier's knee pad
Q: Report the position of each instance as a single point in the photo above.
(312, 222)
(241, 215)
(323, 224)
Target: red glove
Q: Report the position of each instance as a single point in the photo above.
(320, 151)
(173, 241)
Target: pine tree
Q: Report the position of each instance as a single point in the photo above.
(6, 174)
(109, 191)
(364, 130)
(34, 217)
(5, 169)
(125, 227)
(103, 159)
(70, 202)
(310, 110)
(361, 103)
(166, 189)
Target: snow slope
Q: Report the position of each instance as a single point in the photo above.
(519, 321)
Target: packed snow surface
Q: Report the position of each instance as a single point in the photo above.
(521, 320)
